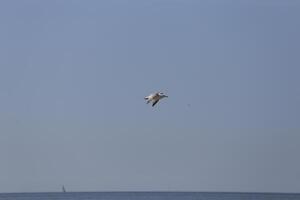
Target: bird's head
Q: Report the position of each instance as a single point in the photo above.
(162, 95)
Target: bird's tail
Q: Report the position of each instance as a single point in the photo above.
(148, 100)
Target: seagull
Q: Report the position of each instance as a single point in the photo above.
(155, 97)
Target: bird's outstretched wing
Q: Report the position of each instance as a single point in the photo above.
(155, 102)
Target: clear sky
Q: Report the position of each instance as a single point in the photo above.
(73, 75)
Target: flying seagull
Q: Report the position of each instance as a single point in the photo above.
(155, 97)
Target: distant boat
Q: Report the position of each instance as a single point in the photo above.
(63, 189)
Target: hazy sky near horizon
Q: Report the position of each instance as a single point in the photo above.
(73, 75)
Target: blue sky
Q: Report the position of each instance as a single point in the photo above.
(73, 75)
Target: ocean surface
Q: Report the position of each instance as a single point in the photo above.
(148, 196)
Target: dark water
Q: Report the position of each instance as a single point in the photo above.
(148, 196)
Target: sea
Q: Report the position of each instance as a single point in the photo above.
(148, 196)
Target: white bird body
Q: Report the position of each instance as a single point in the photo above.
(155, 97)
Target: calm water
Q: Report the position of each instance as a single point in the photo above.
(147, 196)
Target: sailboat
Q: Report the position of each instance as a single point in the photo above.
(63, 189)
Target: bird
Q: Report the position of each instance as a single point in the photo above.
(155, 97)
